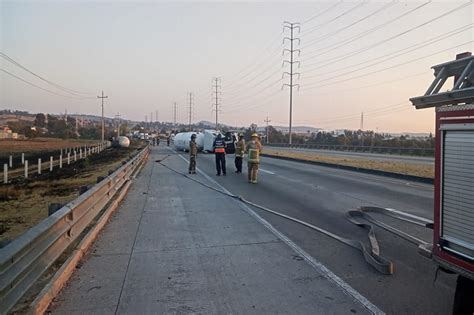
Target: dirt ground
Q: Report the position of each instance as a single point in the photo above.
(395, 167)
(8, 146)
(25, 203)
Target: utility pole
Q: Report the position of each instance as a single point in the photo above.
(362, 127)
(216, 91)
(117, 118)
(268, 135)
(174, 117)
(156, 116)
(190, 94)
(291, 62)
(103, 123)
(77, 124)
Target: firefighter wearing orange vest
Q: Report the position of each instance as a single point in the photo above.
(219, 151)
(254, 148)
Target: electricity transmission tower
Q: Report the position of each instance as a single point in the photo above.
(216, 92)
(117, 121)
(292, 27)
(190, 114)
(103, 124)
(268, 135)
(156, 116)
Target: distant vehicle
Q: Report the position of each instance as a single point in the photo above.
(144, 136)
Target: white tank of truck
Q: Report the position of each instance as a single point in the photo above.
(123, 142)
(181, 140)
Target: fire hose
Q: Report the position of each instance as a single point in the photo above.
(371, 255)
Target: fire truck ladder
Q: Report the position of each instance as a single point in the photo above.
(462, 70)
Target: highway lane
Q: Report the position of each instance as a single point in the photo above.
(321, 196)
(362, 155)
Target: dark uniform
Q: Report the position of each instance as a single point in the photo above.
(239, 154)
(219, 151)
(192, 155)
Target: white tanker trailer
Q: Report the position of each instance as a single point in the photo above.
(181, 140)
(204, 140)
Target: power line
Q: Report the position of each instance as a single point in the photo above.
(386, 57)
(334, 46)
(356, 52)
(65, 89)
(41, 88)
(334, 19)
(321, 13)
(318, 39)
(387, 68)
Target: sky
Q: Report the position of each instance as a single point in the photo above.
(355, 56)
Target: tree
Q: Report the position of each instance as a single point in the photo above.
(40, 120)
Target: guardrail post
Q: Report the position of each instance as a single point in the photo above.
(75, 155)
(80, 153)
(61, 161)
(10, 162)
(5, 173)
(61, 151)
(23, 159)
(39, 165)
(50, 163)
(26, 169)
(68, 158)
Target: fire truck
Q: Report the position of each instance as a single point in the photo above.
(453, 232)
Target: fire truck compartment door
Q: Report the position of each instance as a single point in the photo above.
(457, 193)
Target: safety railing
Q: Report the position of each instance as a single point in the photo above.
(364, 149)
(27, 258)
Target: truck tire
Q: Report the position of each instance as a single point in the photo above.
(463, 298)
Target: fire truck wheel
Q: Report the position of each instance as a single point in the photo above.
(463, 301)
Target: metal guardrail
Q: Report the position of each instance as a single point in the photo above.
(364, 149)
(27, 258)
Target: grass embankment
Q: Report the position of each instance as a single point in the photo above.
(24, 204)
(36, 148)
(387, 166)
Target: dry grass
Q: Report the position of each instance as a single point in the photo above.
(24, 205)
(395, 167)
(40, 144)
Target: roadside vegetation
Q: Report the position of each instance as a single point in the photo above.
(24, 203)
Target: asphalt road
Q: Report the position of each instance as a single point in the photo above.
(363, 156)
(321, 196)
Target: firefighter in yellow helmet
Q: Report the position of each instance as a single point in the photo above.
(254, 148)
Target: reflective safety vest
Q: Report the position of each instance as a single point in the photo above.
(219, 146)
(254, 156)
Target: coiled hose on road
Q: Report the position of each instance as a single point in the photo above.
(372, 256)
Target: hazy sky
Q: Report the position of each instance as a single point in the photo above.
(355, 56)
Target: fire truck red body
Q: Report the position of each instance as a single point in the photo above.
(453, 251)
(453, 228)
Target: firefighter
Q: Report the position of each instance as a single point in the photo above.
(219, 146)
(168, 140)
(192, 154)
(254, 148)
(239, 153)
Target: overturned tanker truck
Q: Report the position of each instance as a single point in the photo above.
(204, 140)
(453, 231)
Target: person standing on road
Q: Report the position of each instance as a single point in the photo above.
(192, 154)
(239, 153)
(168, 141)
(254, 148)
(219, 146)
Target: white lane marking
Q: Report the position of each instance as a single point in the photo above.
(322, 269)
(265, 171)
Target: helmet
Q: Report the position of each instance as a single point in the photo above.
(255, 135)
(193, 136)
